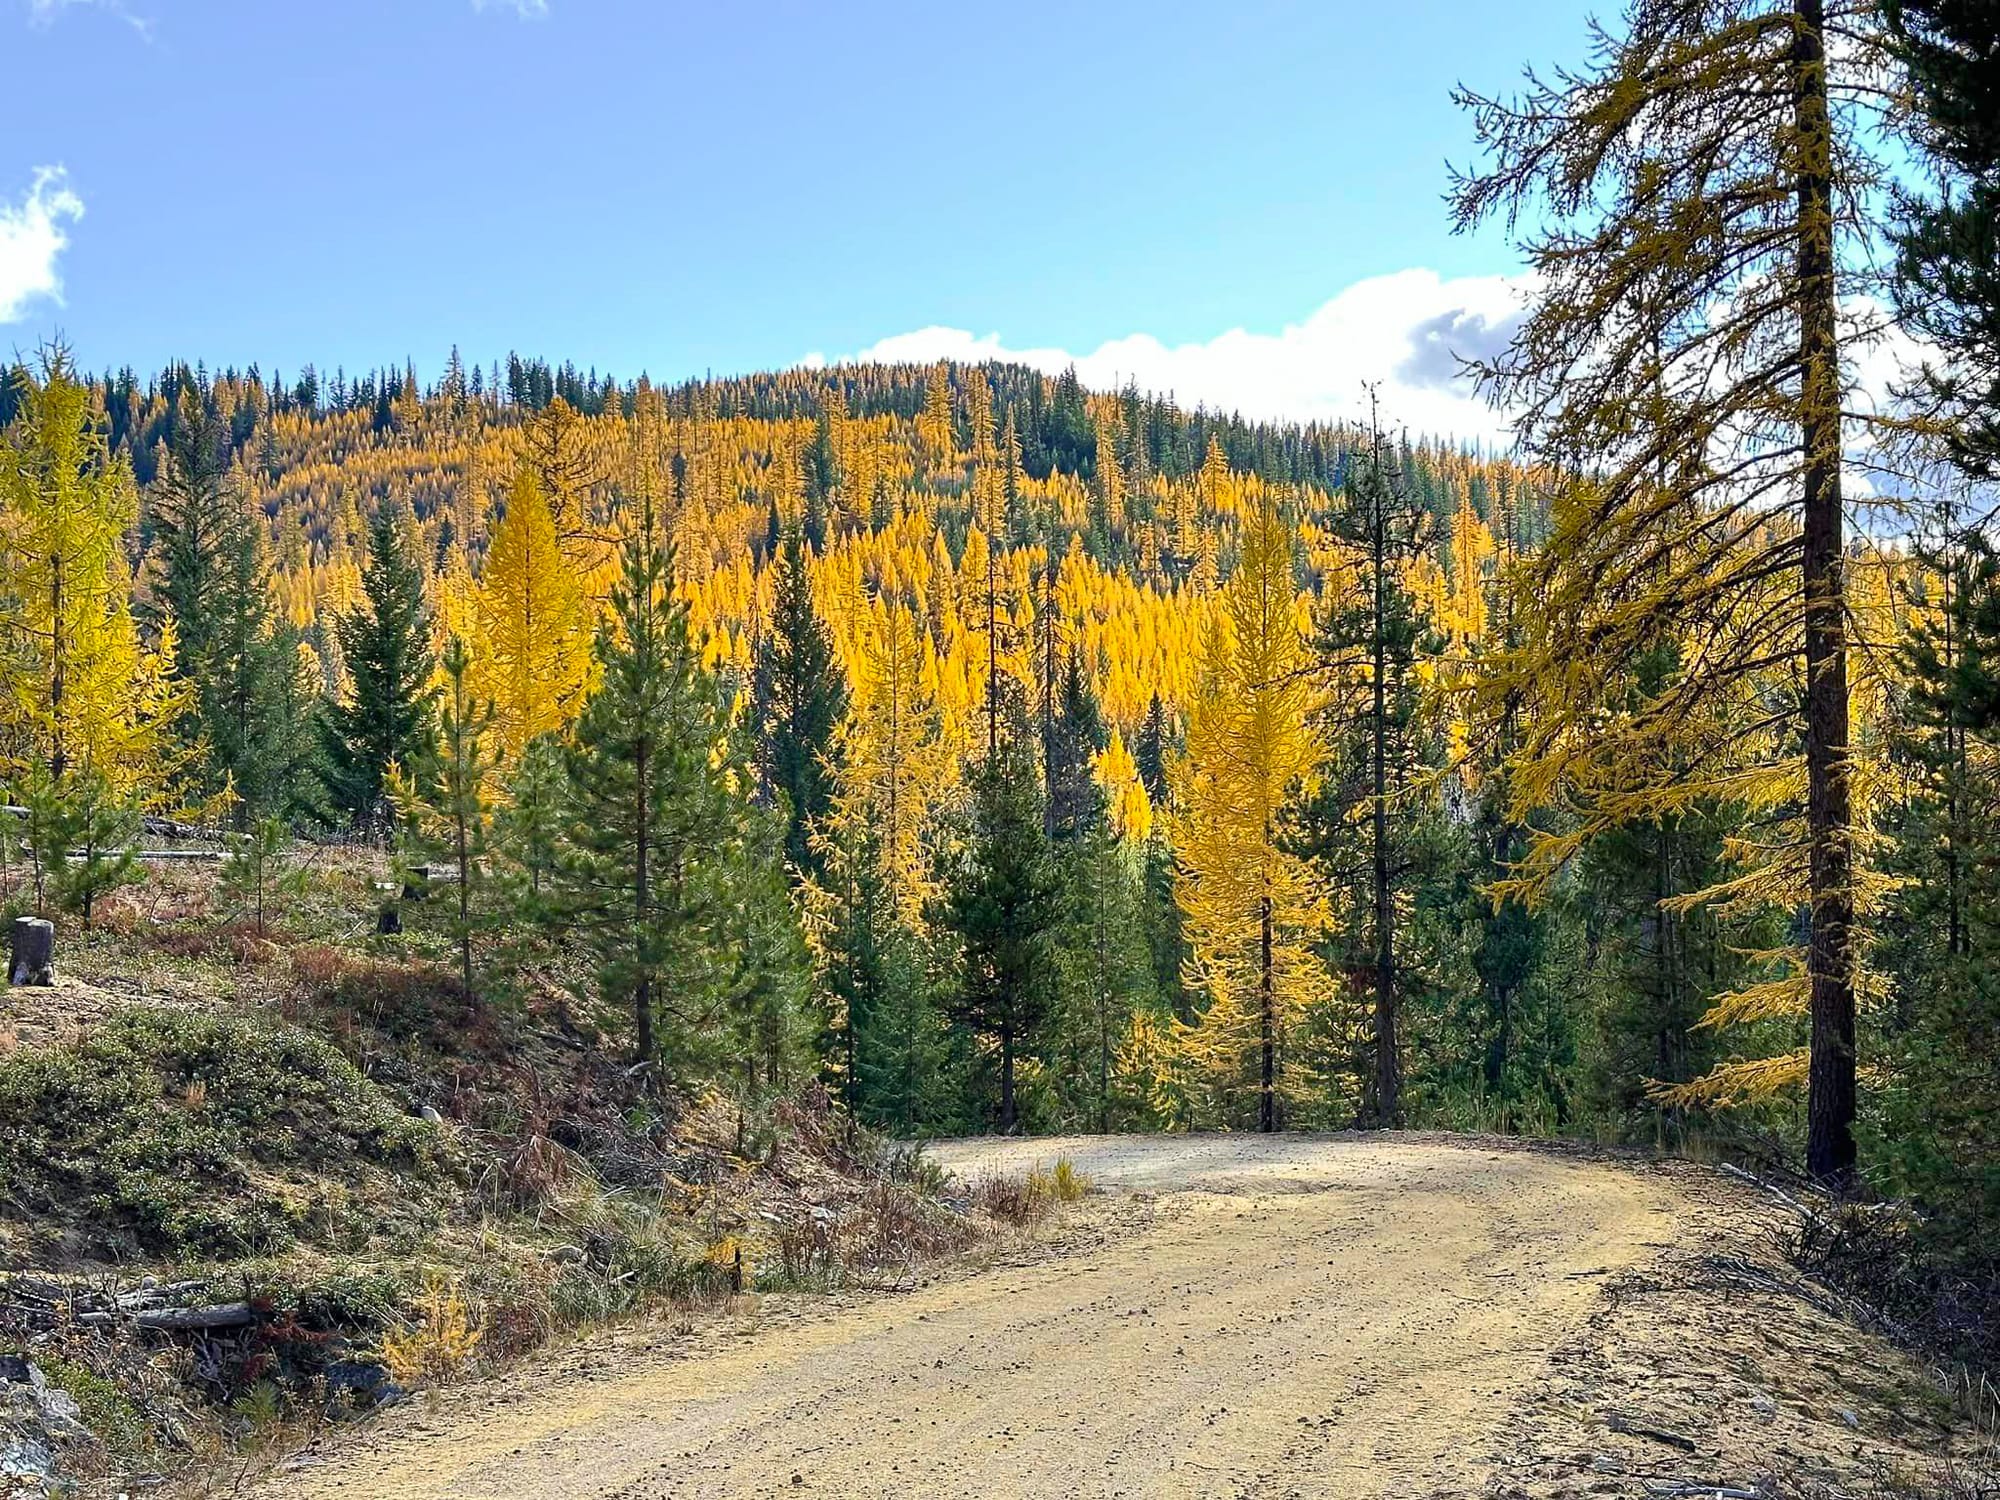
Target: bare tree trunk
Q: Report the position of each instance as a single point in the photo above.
(1006, 1080)
(1388, 1065)
(59, 668)
(464, 907)
(1830, 1106)
(642, 994)
(1047, 622)
(1103, 1015)
(992, 651)
(1267, 1017)
(1502, 991)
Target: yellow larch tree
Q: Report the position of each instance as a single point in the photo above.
(81, 690)
(934, 426)
(1110, 476)
(891, 760)
(1250, 909)
(1130, 809)
(534, 623)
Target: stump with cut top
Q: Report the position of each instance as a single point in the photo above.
(31, 952)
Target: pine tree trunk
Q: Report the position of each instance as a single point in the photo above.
(1668, 1063)
(1048, 705)
(1957, 833)
(58, 651)
(1267, 1017)
(1830, 1107)
(847, 1082)
(1388, 1066)
(1006, 1080)
(1103, 1016)
(992, 655)
(642, 992)
(465, 911)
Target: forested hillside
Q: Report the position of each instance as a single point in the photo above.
(1130, 769)
(1011, 755)
(1040, 881)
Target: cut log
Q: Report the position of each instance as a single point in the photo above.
(177, 1319)
(31, 952)
(224, 1315)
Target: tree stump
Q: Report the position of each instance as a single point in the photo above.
(31, 952)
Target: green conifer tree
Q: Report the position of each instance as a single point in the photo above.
(1948, 244)
(663, 868)
(801, 698)
(390, 716)
(1001, 905)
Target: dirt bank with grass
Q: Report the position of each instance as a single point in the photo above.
(242, 1201)
(1230, 1316)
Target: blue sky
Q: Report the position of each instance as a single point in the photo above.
(643, 184)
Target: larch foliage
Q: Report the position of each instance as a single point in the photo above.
(934, 427)
(1126, 801)
(82, 691)
(1701, 193)
(1249, 906)
(890, 752)
(534, 639)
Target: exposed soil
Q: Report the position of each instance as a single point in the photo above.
(1230, 1315)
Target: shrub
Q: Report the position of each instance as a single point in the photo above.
(437, 1345)
(1011, 1200)
(909, 1166)
(1024, 1200)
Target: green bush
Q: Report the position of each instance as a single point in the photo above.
(182, 1133)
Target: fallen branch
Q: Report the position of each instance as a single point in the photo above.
(1811, 1216)
(1618, 1423)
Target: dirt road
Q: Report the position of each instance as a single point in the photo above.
(1269, 1317)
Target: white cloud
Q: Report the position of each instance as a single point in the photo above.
(44, 12)
(31, 238)
(1405, 330)
(527, 10)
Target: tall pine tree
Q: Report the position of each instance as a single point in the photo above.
(659, 872)
(1001, 906)
(801, 698)
(389, 717)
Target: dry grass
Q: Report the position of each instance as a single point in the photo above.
(1023, 1201)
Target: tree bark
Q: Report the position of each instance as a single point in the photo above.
(1006, 1080)
(642, 993)
(1830, 1105)
(31, 955)
(1267, 1017)
(465, 909)
(1388, 1065)
(59, 668)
